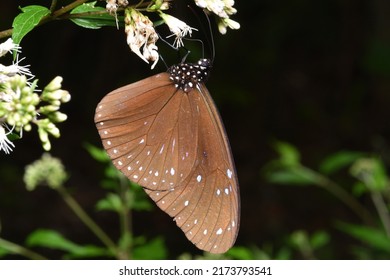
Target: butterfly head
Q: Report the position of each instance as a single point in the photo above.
(186, 76)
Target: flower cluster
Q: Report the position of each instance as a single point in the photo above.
(141, 35)
(45, 171)
(223, 9)
(20, 104)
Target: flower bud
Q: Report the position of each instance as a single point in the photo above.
(58, 117)
(54, 85)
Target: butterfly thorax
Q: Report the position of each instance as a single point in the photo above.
(186, 76)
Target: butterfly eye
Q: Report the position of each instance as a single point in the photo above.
(165, 133)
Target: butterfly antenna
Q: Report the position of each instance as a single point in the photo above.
(211, 37)
(210, 40)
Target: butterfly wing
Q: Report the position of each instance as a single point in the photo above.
(174, 145)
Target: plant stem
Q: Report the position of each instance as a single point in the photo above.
(6, 33)
(343, 195)
(125, 217)
(53, 5)
(382, 209)
(72, 203)
(20, 250)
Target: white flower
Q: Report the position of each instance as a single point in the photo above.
(6, 72)
(179, 29)
(223, 9)
(227, 22)
(8, 46)
(140, 32)
(112, 5)
(151, 53)
(5, 144)
(16, 68)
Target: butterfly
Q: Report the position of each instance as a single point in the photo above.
(165, 134)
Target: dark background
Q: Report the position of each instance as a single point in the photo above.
(313, 73)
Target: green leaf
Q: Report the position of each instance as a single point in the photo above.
(319, 239)
(240, 253)
(54, 240)
(111, 202)
(92, 21)
(292, 176)
(27, 20)
(96, 153)
(289, 155)
(4, 252)
(152, 250)
(374, 237)
(339, 160)
(140, 201)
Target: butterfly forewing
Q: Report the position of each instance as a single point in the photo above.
(173, 143)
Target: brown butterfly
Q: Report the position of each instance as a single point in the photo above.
(165, 133)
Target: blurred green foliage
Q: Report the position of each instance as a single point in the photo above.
(370, 179)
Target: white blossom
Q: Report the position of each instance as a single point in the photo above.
(227, 22)
(8, 46)
(179, 28)
(5, 144)
(223, 9)
(141, 34)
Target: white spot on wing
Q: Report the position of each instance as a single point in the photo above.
(142, 141)
(229, 173)
(172, 171)
(162, 149)
(218, 191)
(226, 190)
(108, 142)
(205, 232)
(219, 231)
(120, 163)
(199, 178)
(186, 203)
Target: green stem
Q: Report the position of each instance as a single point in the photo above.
(53, 5)
(20, 250)
(343, 195)
(125, 217)
(72, 203)
(382, 209)
(6, 33)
